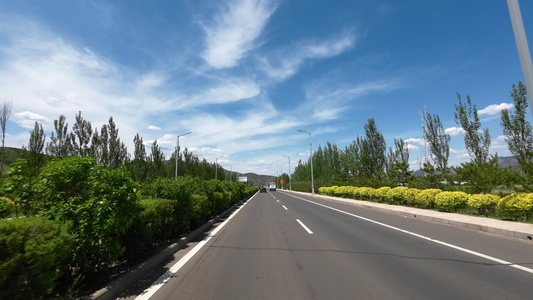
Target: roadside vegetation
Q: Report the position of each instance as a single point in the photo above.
(76, 207)
(367, 162)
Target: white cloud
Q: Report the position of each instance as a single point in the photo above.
(27, 119)
(153, 127)
(495, 108)
(327, 114)
(233, 32)
(287, 61)
(453, 131)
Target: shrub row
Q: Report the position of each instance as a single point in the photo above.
(80, 219)
(515, 206)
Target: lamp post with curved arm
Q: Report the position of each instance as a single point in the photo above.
(311, 157)
(177, 154)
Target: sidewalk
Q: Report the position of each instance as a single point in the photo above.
(499, 227)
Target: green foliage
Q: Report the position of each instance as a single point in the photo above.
(483, 177)
(19, 185)
(33, 253)
(477, 141)
(410, 195)
(381, 193)
(517, 205)
(426, 198)
(484, 203)
(397, 195)
(99, 205)
(7, 207)
(451, 200)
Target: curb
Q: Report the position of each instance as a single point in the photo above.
(479, 223)
(119, 285)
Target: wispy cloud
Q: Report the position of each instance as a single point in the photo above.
(153, 127)
(495, 108)
(285, 62)
(233, 32)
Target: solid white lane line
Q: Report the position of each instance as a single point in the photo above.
(285, 207)
(156, 285)
(500, 261)
(305, 227)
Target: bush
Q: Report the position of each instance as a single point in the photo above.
(381, 193)
(365, 193)
(397, 194)
(517, 205)
(451, 200)
(7, 207)
(33, 253)
(99, 204)
(426, 198)
(484, 203)
(410, 195)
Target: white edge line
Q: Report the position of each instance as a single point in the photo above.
(305, 227)
(500, 261)
(156, 285)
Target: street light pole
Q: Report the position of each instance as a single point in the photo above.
(177, 154)
(311, 156)
(216, 166)
(281, 176)
(290, 181)
(523, 49)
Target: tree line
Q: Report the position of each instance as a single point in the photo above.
(367, 161)
(106, 147)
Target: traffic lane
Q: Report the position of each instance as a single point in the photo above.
(409, 266)
(252, 257)
(264, 255)
(507, 248)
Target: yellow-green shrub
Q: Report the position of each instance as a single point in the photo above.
(381, 193)
(410, 195)
(365, 193)
(323, 189)
(517, 204)
(397, 194)
(483, 202)
(427, 197)
(452, 200)
(7, 207)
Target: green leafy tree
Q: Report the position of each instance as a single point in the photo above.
(83, 132)
(34, 151)
(398, 162)
(373, 149)
(483, 177)
(118, 153)
(476, 142)
(60, 144)
(517, 130)
(438, 141)
(157, 158)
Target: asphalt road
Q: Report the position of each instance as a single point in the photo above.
(283, 246)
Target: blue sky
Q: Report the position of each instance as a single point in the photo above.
(245, 75)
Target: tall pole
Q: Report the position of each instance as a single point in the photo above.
(290, 181)
(311, 156)
(281, 176)
(216, 166)
(523, 49)
(177, 154)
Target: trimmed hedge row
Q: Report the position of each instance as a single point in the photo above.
(516, 206)
(91, 218)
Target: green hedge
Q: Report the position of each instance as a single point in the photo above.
(34, 253)
(451, 200)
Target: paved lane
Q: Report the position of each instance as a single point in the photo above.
(263, 252)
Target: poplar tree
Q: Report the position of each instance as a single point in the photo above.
(61, 142)
(477, 143)
(438, 140)
(83, 132)
(518, 131)
(34, 151)
(5, 113)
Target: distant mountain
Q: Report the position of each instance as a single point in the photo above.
(257, 179)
